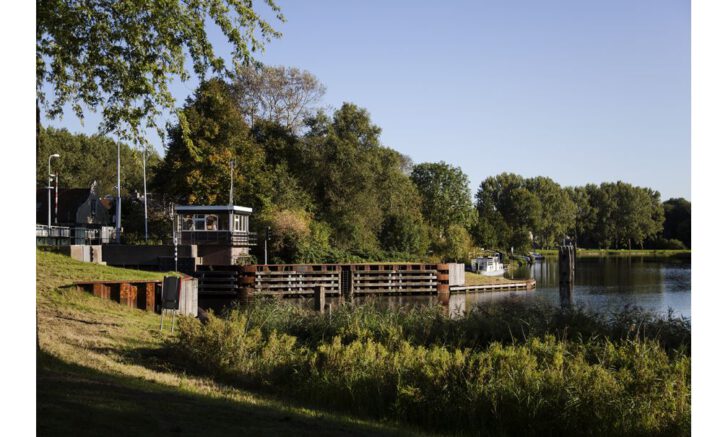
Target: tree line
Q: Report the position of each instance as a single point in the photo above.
(331, 191)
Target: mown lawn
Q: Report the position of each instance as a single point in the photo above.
(102, 369)
(476, 279)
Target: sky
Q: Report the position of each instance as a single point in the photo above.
(579, 91)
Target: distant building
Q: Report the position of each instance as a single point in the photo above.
(79, 216)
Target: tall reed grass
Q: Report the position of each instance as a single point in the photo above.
(505, 369)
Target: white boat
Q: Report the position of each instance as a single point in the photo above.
(488, 266)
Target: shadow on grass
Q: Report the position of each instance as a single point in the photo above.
(79, 401)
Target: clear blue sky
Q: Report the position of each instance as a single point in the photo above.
(580, 91)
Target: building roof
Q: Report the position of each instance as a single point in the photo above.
(202, 208)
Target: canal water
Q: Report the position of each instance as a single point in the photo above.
(605, 284)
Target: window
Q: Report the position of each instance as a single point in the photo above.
(187, 222)
(199, 222)
(238, 226)
(211, 222)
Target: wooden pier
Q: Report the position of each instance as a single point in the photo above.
(347, 280)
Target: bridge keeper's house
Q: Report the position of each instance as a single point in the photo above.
(220, 232)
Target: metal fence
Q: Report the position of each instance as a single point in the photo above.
(64, 235)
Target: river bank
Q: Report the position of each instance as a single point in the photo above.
(275, 368)
(117, 364)
(681, 254)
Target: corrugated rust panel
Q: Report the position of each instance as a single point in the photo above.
(128, 294)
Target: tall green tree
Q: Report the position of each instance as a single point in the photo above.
(121, 56)
(212, 132)
(558, 211)
(445, 194)
(677, 220)
(585, 218)
(342, 170)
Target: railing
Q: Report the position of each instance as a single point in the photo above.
(63, 235)
(52, 231)
(233, 238)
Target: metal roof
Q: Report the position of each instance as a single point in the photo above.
(191, 208)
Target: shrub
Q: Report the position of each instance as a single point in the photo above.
(568, 372)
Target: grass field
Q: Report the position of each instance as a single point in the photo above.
(102, 369)
(476, 279)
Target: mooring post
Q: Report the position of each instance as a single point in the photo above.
(443, 285)
(319, 299)
(567, 257)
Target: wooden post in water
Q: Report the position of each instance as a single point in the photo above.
(567, 257)
(443, 286)
(319, 299)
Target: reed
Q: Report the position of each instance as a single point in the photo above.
(506, 369)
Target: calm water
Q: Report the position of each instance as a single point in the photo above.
(602, 284)
(610, 283)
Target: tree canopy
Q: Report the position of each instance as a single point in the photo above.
(85, 159)
(285, 96)
(331, 191)
(445, 195)
(121, 56)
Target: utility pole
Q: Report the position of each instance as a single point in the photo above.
(144, 176)
(55, 219)
(50, 187)
(232, 170)
(118, 193)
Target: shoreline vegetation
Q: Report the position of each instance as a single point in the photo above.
(657, 253)
(271, 367)
(117, 364)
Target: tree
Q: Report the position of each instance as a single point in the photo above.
(85, 159)
(677, 220)
(212, 132)
(585, 214)
(121, 56)
(404, 233)
(445, 195)
(558, 211)
(342, 168)
(638, 214)
(284, 96)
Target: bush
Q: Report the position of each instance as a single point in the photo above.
(567, 372)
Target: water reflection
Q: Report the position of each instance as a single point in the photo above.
(610, 283)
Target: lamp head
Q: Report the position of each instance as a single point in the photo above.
(55, 155)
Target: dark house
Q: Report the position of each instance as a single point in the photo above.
(79, 214)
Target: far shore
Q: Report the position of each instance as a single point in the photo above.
(683, 253)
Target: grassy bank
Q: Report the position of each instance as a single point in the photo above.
(103, 369)
(272, 368)
(683, 254)
(477, 279)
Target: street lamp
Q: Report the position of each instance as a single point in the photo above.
(50, 181)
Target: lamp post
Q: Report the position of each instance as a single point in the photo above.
(50, 181)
